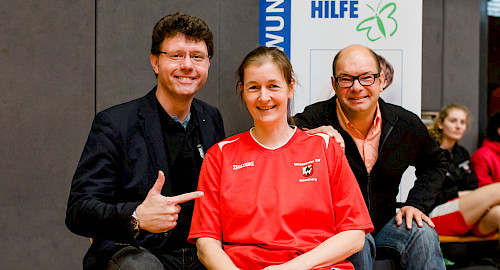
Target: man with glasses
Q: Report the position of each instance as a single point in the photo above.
(381, 141)
(142, 160)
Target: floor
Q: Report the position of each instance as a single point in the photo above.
(476, 255)
(464, 256)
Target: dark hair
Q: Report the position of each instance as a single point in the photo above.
(191, 27)
(434, 129)
(387, 68)
(261, 55)
(335, 60)
(492, 128)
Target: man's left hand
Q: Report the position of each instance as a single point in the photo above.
(410, 213)
(330, 131)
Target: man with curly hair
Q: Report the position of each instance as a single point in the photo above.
(142, 160)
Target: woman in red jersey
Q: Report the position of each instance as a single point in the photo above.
(275, 196)
(486, 160)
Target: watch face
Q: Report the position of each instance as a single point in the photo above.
(134, 223)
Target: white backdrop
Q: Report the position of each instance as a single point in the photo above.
(312, 32)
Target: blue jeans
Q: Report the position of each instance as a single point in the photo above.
(132, 258)
(414, 249)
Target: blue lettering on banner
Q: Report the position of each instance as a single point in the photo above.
(334, 9)
(274, 24)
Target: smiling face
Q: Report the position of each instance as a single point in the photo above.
(454, 125)
(266, 93)
(357, 101)
(180, 79)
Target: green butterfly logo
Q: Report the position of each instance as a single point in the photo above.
(382, 19)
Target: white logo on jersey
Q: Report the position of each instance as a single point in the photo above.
(308, 180)
(307, 170)
(243, 165)
(465, 165)
(307, 162)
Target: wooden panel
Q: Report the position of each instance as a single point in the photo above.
(464, 239)
(237, 40)
(124, 31)
(494, 51)
(461, 61)
(123, 49)
(46, 106)
(432, 54)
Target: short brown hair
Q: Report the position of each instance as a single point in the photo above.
(193, 28)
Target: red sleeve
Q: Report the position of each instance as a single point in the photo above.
(481, 168)
(350, 207)
(206, 220)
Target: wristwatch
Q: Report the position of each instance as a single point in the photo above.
(134, 224)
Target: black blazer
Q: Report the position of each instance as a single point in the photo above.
(119, 165)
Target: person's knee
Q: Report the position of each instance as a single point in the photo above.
(490, 223)
(412, 247)
(364, 258)
(425, 234)
(423, 249)
(400, 237)
(130, 258)
(426, 230)
(495, 211)
(495, 214)
(370, 245)
(368, 250)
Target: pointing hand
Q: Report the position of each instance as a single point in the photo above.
(159, 213)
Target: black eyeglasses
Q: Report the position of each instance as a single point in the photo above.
(195, 57)
(345, 81)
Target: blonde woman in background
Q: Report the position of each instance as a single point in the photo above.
(460, 208)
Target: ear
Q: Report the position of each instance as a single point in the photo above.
(440, 125)
(334, 85)
(498, 131)
(382, 81)
(240, 86)
(154, 63)
(291, 89)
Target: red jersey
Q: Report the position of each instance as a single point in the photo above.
(268, 206)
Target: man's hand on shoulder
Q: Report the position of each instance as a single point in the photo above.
(159, 213)
(410, 213)
(330, 131)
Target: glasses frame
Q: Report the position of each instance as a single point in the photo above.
(354, 78)
(191, 57)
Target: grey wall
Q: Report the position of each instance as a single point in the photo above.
(61, 61)
(123, 44)
(454, 60)
(46, 105)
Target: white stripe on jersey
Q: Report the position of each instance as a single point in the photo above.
(221, 144)
(324, 136)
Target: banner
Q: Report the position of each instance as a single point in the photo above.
(311, 32)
